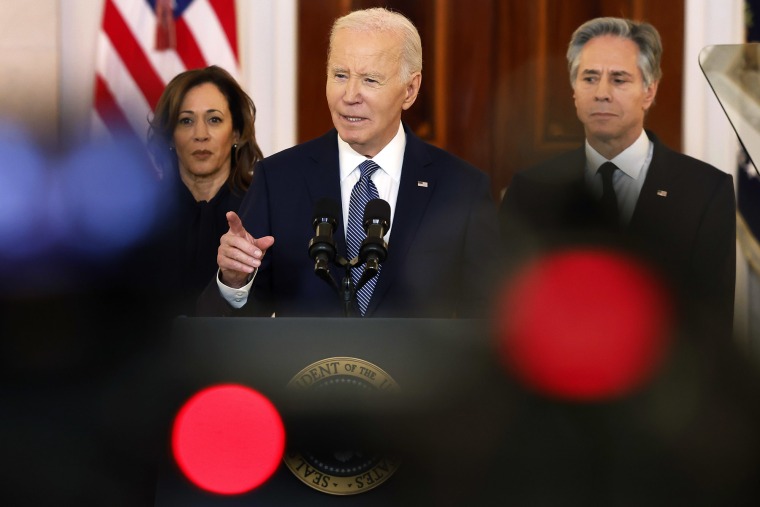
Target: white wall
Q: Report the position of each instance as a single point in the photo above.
(268, 40)
(79, 24)
(707, 133)
(29, 66)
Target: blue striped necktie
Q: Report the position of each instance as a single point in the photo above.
(363, 192)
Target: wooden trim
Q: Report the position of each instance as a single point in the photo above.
(441, 37)
(637, 10)
(542, 60)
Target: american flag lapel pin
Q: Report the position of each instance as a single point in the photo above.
(662, 193)
(423, 184)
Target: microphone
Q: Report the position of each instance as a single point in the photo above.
(374, 249)
(321, 246)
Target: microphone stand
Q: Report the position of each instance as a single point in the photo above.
(372, 252)
(346, 290)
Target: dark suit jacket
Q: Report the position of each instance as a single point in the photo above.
(194, 238)
(684, 219)
(443, 243)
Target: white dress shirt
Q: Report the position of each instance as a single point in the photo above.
(386, 179)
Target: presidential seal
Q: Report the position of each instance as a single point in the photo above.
(341, 472)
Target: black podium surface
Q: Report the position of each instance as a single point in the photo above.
(463, 431)
(445, 372)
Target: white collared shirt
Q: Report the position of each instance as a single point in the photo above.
(386, 179)
(633, 163)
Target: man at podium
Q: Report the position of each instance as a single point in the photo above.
(440, 239)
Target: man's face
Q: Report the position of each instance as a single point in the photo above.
(610, 97)
(364, 91)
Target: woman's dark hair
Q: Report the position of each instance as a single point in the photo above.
(166, 115)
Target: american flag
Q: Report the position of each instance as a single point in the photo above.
(143, 44)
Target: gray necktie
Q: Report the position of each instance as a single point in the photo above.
(609, 199)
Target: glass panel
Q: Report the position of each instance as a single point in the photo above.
(733, 72)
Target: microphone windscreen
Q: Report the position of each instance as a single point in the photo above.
(327, 208)
(377, 209)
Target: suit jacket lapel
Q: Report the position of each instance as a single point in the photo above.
(417, 185)
(323, 180)
(651, 206)
(575, 171)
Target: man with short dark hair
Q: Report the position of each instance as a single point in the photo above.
(624, 183)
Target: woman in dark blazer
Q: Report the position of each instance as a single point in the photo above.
(202, 141)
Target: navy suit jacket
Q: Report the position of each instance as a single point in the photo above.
(441, 253)
(684, 219)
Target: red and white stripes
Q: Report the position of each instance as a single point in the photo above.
(131, 71)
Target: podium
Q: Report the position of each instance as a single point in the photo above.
(446, 381)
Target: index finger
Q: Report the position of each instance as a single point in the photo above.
(236, 225)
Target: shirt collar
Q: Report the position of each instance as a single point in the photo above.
(390, 159)
(631, 160)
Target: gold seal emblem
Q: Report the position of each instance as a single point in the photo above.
(341, 472)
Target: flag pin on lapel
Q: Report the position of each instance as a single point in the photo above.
(662, 193)
(423, 184)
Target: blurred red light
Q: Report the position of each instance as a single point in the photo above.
(228, 439)
(584, 324)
